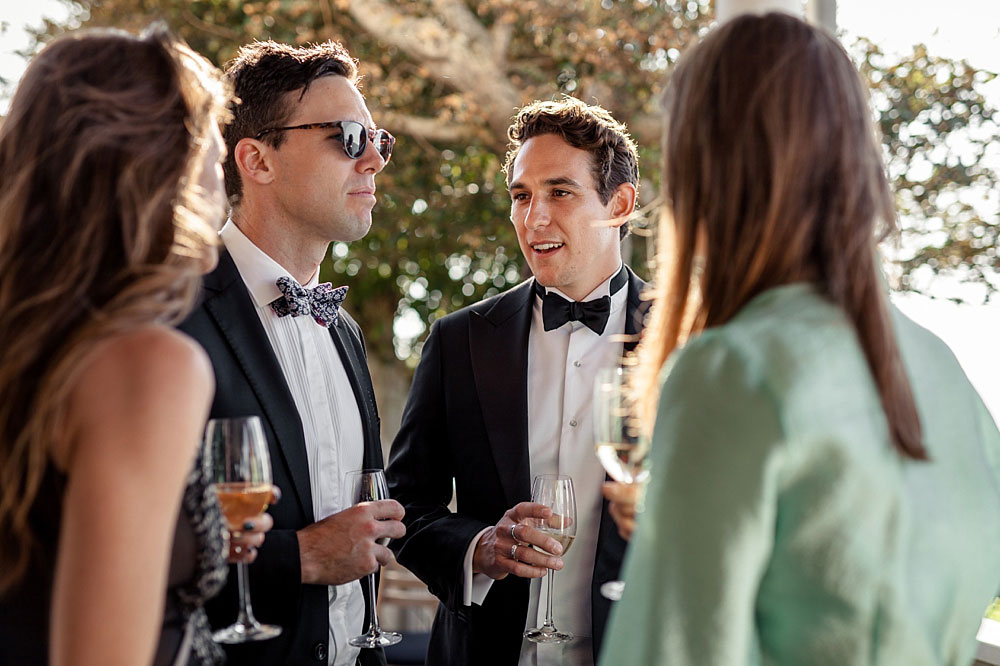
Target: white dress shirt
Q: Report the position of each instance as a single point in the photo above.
(562, 366)
(331, 420)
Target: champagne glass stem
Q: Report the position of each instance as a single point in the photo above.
(246, 617)
(373, 628)
(549, 625)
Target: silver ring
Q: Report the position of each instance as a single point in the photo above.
(512, 536)
(513, 552)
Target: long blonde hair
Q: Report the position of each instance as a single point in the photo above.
(772, 175)
(103, 228)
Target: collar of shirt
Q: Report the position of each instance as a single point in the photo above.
(260, 272)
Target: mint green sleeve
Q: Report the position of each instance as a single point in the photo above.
(705, 536)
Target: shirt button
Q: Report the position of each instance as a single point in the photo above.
(572, 423)
(576, 364)
(319, 652)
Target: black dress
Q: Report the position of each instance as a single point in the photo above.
(197, 572)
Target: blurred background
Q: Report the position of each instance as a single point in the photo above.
(445, 76)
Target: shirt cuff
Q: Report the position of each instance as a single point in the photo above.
(474, 586)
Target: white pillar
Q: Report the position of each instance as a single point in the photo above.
(823, 13)
(818, 12)
(727, 9)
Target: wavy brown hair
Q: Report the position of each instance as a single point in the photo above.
(772, 175)
(103, 228)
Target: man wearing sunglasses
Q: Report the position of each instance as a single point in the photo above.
(303, 153)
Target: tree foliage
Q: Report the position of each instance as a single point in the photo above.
(939, 135)
(445, 76)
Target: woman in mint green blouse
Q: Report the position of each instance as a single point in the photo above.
(824, 479)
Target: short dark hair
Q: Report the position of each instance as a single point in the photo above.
(262, 73)
(614, 155)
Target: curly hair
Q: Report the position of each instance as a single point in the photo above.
(103, 228)
(614, 155)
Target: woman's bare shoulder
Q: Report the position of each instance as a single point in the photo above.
(139, 384)
(151, 355)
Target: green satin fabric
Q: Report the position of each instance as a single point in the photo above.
(780, 526)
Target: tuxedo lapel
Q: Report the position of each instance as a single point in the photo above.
(634, 311)
(228, 302)
(356, 367)
(498, 346)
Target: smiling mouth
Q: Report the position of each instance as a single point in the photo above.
(546, 248)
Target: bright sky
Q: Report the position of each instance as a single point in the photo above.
(968, 29)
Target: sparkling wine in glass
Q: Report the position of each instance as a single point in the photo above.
(556, 492)
(617, 441)
(236, 452)
(368, 485)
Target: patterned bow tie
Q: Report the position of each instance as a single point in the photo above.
(594, 314)
(322, 302)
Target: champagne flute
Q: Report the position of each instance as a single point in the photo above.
(236, 451)
(368, 485)
(617, 441)
(556, 492)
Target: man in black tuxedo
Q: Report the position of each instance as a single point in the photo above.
(300, 173)
(503, 392)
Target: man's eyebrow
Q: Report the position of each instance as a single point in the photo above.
(562, 180)
(548, 182)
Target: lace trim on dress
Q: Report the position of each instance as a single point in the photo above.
(201, 505)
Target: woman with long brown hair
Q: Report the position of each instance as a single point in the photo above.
(110, 197)
(821, 482)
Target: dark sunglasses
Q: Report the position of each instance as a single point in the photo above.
(353, 136)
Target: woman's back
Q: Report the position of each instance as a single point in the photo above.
(782, 527)
(902, 551)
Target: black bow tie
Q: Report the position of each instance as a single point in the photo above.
(556, 310)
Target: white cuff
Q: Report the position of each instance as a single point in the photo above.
(474, 586)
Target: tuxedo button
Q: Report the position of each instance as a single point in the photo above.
(576, 364)
(319, 652)
(572, 423)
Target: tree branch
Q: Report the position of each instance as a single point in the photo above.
(457, 15)
(455, 58)
(211, 28)
(500, 35)
(430, 129)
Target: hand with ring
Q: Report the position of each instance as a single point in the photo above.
(243, 544)
(499, 551)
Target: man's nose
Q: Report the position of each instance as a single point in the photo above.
(537, 216)
(371, 160)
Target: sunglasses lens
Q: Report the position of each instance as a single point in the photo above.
(354, 138)
(384, 142)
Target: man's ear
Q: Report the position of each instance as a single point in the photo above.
(622, 204)
(253, 160)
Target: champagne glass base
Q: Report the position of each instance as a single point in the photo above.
(540, 635)
(381, 639)
(244, 633)
(613, 590)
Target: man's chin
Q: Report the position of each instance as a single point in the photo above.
(356, 231)
(547, 279)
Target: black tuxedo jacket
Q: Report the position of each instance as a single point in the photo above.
(466, 420)
(249, 381)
